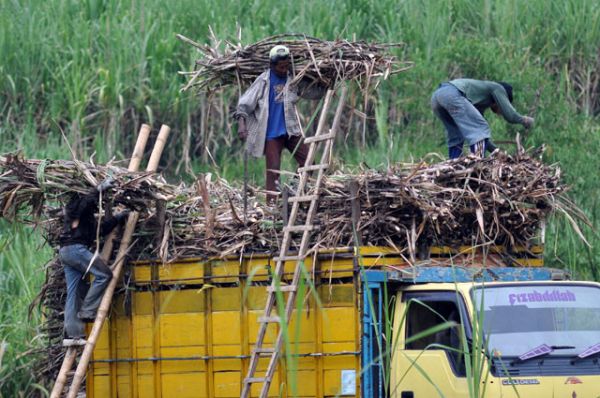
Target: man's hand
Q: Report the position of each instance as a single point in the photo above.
(122, 216)
(242, 129)
(528, 122)
(106, 184)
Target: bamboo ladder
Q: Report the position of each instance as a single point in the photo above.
(117, 268)
(270, 314)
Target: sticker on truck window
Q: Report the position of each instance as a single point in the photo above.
(520, 382)
(542, 297)
(348, 382)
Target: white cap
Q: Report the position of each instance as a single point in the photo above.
(279, 52)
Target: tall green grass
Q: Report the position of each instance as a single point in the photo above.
(21, 260)
(96, 69)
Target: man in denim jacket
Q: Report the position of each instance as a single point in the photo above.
(268, 119)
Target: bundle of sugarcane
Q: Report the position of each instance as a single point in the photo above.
(320, 61)
(498, 200)
(469, 201)
(40, 184)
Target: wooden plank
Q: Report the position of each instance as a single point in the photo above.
(285, 288)
(304, 198)
(318, 138)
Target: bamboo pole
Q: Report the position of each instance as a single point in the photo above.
(61, 379)
(134, 165)
(117, 268)
(71, 354)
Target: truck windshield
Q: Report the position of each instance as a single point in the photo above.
(519, 318)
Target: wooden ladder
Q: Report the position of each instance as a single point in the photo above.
(270, 316)
(117, 267)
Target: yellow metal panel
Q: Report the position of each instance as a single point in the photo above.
(226, 327)
(225, 271)
(306, 363)
(183, 385)
(226, 299)
(303, 382)
(177, 301)
(104, 338)
(258, 269)
(290, 267)
(181, 329)
(221, 364)
(183, 273)
(337, 295)
(142, 274)
(183, 366)
(256, 297)
(143, 330)
(101, 353)
(124, 387)
(101, 368)
(145, 387)
(101, 386)
(142, 303)
(337, 268)
(145, 367)
(304, 331)
(227, 384)
(376, 250)
(338, 324)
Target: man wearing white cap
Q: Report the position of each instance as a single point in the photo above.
(267, 116)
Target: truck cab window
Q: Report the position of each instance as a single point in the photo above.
(428, 311)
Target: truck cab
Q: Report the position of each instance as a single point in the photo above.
(503, 338)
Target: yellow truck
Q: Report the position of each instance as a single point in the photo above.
(371, 325)
(536, 339)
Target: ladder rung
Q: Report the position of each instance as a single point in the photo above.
(249, 380)
(305, 198)
(314, 167)
(288, 258)
(286, 288)
(264, 350)
(317, 138)
(298, 228)
(74, 343)
(269, 319)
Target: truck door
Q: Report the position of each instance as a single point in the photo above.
(423, 365)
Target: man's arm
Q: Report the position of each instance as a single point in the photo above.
(249, 100)
(110, 222)
(246, 105)
(506, 109)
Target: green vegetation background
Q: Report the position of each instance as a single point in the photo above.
(96, 69)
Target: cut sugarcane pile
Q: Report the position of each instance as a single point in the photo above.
(498, 200)
(326, 62)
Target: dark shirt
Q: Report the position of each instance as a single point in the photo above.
(83, 208)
